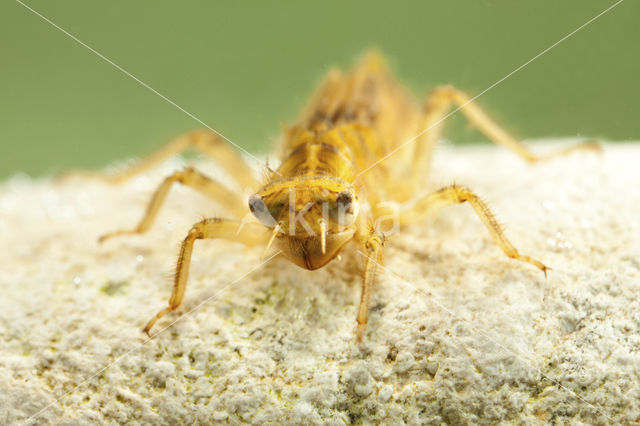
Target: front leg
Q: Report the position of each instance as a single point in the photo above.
(373, 256)
(250, 234)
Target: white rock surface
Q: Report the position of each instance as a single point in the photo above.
(466, 336)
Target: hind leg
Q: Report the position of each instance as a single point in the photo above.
(435, 113)
(203, 141)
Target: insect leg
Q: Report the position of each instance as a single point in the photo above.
(373, 251)
(249, 234)
(193, 179)
(455, 194)
(203, 141)
(436, 106)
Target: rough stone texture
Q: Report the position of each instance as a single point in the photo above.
(470, 337)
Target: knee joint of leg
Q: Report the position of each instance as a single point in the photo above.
(180, 176)
(194, 233)
(376, 241)
(461, 193)
(444, 91)
(205, 138)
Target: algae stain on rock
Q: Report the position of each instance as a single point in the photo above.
(115, 288)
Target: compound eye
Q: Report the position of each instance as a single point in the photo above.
(346, 208)
(344, 200)
(260, 211)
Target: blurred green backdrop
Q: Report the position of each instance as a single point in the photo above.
(246, 68)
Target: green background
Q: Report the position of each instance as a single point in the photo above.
(246, 68)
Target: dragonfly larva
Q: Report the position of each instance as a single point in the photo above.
(350, 169)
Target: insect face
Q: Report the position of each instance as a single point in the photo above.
(312, 217)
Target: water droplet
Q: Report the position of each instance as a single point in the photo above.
(549, 205)
(585, 223)
(551, 242)
(77, 280)
(139, 258)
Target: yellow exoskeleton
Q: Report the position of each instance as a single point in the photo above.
(350, 170)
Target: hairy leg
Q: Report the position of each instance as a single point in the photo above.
(372, 248)
(250, 234)
(203, 141)
(455, 194)
(436, 107)
(193, 179)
